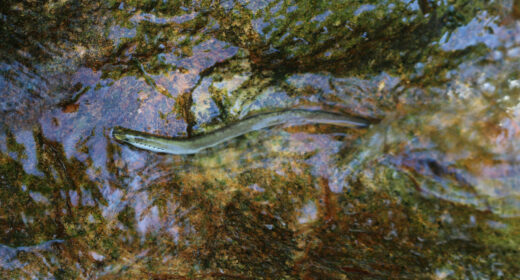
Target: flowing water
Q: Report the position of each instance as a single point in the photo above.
(431, 190)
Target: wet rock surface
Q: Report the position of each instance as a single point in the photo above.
(430, 190)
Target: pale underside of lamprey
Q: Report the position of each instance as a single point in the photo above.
(192, 145)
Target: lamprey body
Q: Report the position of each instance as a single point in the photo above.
(192, 145)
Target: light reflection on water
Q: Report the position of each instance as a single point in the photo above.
(434, 181)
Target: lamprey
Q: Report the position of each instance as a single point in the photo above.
(192, 145)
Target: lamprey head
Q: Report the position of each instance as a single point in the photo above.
(134, 138)
(119, 134)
